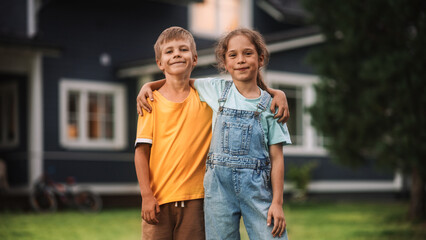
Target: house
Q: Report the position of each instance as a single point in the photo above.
(70, 72)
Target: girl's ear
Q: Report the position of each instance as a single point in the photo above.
(261, 60)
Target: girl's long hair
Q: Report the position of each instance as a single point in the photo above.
(255, 38)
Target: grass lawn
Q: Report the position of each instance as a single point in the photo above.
(329, 221)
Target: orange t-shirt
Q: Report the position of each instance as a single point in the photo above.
(180, 135)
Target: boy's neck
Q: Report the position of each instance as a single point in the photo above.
(176, 89)
(248, 89)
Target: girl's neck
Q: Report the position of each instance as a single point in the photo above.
(248, 89)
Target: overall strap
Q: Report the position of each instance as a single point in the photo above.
(263, 103)
(224, 95)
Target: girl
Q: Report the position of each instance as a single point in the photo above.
(245, 165)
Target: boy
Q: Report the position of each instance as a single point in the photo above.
(172, 144)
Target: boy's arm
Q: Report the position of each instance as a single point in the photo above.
(279, 101)
(150, 207)
(146, 92)
(277, 179)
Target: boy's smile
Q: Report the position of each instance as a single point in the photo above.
(177, 58)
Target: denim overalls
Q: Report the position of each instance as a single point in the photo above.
(237, 180)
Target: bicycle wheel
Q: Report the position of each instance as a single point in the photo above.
(43, 200)
(88, 201)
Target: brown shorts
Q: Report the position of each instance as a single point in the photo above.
(177, 221)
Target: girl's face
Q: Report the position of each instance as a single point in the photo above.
(242, 60)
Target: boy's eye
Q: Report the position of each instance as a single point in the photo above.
(169, 51)
(184, 49)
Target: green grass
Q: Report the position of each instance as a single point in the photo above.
(330, 221)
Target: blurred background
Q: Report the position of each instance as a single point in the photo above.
(352, 71)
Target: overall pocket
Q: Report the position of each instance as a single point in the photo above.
(236, 138)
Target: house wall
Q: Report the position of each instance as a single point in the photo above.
(13, 18)
(85, 32)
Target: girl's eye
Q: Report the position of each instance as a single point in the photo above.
(232, 55)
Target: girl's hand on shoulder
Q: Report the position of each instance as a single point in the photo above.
(280, 101)
(276, 213)
(141, 100)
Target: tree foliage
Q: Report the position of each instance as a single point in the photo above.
(371, 100)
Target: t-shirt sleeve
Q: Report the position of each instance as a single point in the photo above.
(277, 132)
(144, 132)
(209, 90)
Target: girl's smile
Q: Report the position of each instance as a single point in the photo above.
(242, 60)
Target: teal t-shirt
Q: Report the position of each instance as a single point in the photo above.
(210, 90)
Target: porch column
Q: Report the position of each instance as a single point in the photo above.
(35, 119)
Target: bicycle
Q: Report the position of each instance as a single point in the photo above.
(46, 194)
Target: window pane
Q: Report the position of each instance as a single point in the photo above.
(229, 15)
(93, 120)
(10, 117)
(295, 104)
(204, 17)
(73, 114)
(109, 116)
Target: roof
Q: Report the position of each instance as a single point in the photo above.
(276, 42)
(27, 44)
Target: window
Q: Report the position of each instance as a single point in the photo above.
(295, 104)
(92, 115)
(214, 17)
(8, 115)
(300, 94)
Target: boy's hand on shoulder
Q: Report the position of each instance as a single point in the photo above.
(276, 212)
(150, 209)
(280, 101)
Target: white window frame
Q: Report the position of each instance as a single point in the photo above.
(120, 114)
(310, 145)
(10, 87)
(246, 19)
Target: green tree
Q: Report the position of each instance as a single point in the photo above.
(371, 100)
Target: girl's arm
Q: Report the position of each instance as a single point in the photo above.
(146, 92)
(279, 101)
(277, 179)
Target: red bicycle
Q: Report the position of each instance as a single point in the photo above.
(46, 194)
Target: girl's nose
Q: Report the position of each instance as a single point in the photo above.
(241, 59)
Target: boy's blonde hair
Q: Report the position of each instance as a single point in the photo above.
(255, 38)
(174, 33)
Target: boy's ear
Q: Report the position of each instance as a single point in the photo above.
(160, 66)
(195, 61)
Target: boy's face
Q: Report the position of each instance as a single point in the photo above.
(177, 58)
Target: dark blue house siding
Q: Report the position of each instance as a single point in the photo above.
(92, 171)
(84, 33)
(294, 60)
(13, 20)
(328, 169)
(264, 23)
